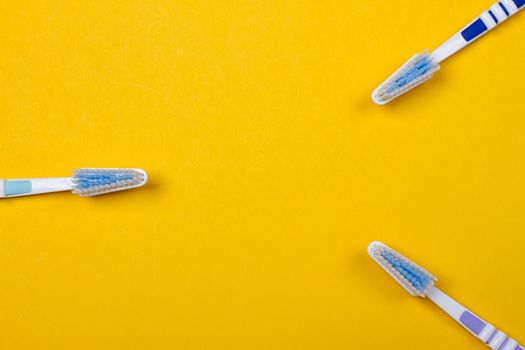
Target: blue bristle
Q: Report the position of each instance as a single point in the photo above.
(89, 179)
(95, 181)
(418, 278)
(419, 68)
(416, 71)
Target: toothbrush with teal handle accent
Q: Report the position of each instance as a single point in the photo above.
(421, 283)
(85, 182)
(422, 67)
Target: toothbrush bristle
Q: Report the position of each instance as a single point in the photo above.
(416, 280)
(416, 71)
(93, 181)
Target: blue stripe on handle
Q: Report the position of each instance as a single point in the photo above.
(519, 3)
(504, 9)
(493, 16)
(477, 28)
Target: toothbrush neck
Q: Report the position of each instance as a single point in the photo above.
(450, 47)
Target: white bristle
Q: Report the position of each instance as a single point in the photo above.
(406, 78)
(416, 280)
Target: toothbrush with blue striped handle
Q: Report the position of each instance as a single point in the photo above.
(422, 67)
(421, 283)
(85, 182)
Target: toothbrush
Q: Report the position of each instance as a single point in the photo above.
(421, 283)
(422, 67)
(84, 182)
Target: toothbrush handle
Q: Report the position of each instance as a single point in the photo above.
(487, 333)
(27, 187)
(488, 20)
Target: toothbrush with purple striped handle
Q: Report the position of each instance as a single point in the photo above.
(421, 283)
(422, 67)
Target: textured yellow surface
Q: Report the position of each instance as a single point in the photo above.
(271, 171)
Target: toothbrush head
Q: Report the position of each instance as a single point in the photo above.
(416, 280)
(93, 182)
(416, 71)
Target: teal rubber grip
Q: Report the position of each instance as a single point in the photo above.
(17, 187)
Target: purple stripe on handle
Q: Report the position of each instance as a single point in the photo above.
(492, 336)
(519, 348)
(503, 344)
(474, 324)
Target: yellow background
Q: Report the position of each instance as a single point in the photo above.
(271, 171)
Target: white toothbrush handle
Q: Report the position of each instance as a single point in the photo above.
(486, 332)
(489, 19)
(27, 187)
